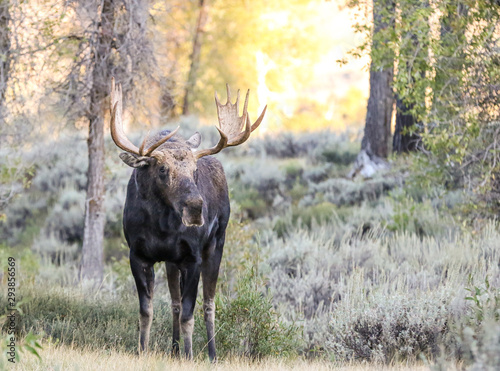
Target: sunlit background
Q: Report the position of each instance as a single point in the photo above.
(286, 52)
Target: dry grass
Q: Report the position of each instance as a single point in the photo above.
(56, 357)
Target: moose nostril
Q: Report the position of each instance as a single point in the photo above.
(192, 212)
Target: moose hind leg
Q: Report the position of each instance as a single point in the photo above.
(144, 276)
(173, 277)
(209, 274)
(190, 279)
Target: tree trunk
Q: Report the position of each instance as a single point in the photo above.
(404, 139)
(95, 217)
(92, 263)
(413, 61)
(379, 113)
(376, 138)
(195, 55)
(5, 52)
(167, 99)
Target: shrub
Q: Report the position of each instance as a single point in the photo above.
(388, 327)
(293, 169)
(399, 288)
(240, 250)
(58, 180)
(65, 219)
(317, 174)
(421, 218)
(308, 145)
(248, 325)
(260, 189)
(54, 250)
(304, 217)
(62, 164)
(342, 156)
(250, 203)
(347, 192)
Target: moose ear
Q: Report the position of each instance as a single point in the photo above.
(134, 160)
(194, 141)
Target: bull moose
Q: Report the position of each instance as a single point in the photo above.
(177, 211)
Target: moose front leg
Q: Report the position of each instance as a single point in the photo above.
(190, 278)
(144, 276)
(173, 277)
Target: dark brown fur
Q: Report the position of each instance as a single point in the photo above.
(177, 210)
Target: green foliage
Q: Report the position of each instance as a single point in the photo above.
(29, 343)
(335, 156)
(313, 146)
(347, 192)
(248, 325)
(385, 295)
(251, 203)
(27, 261)
(305, 217)
(485, 299)
(240, 250)
(419, 217)
(476, 337)
(447, 71)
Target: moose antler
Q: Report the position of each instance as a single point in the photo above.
(231, 125)
(117, 132)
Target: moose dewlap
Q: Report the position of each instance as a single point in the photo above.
(176, 211)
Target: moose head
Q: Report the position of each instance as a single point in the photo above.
(170, 163)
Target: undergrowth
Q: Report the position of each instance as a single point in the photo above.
(315, 264)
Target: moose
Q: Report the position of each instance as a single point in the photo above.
(177, 211)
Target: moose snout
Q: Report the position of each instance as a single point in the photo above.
(192, 212)
(194, 205)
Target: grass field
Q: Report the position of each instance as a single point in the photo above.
(56, 357)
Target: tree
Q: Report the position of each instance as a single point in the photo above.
(195, 55)
(405, 137)
(110, 42)
(95, 217)
(375, 143)
(5, 53)
(14, 173)
(453, 96)
(167, 98)
(413, 66)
